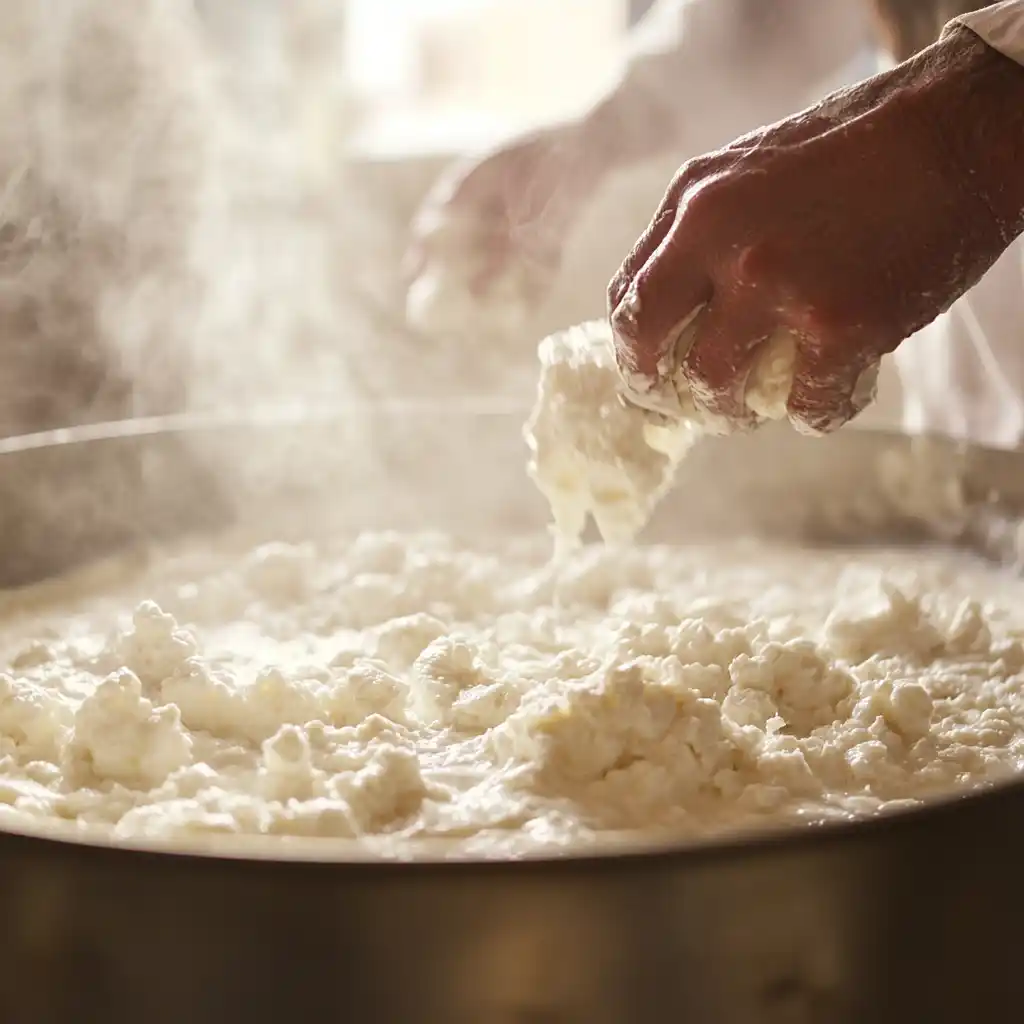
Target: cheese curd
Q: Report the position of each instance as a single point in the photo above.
(387, 687)
(593, 453)
(590, 452)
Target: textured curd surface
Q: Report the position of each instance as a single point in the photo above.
(591, 452)
(392, 686)
(595, 454)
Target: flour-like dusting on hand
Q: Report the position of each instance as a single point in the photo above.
(392, 687)
(766, 390)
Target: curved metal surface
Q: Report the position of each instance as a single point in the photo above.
(911, 917)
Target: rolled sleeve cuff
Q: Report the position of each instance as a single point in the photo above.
(1001, 26)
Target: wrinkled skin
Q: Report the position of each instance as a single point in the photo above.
(852, 225)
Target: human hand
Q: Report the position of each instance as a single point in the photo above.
(848, 226)
(494, 228)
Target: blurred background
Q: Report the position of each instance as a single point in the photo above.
(207, 200)
(448, 74)
(204, 204)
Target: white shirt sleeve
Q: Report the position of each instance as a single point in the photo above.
(1000, 25)
(722, 67)
(963, 375)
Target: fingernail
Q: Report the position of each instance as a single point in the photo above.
(802, 426)
(819, 426)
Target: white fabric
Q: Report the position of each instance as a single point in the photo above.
(1000, 25)
(964, 374)
(726, 66)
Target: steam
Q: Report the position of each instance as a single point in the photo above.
(180, 231)
(164, 240)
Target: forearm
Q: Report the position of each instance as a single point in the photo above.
(983, 126)
(700, 72)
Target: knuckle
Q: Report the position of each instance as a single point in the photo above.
(624, 321)
(695, 170)
(710, 198)
(617, 288)
(691, 178)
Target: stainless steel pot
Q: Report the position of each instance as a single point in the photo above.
(912, 917)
